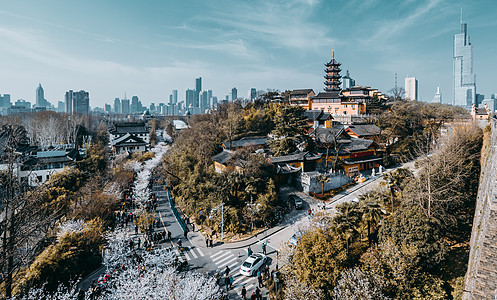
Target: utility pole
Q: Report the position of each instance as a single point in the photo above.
(222, 219)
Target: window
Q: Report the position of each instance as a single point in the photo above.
(345, 105)
(353, 107)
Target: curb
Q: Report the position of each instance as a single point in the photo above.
(249, 244)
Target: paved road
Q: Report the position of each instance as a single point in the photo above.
(209, 260)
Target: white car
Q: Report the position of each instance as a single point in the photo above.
(252, 264)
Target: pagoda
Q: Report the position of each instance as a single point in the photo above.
(332, 76)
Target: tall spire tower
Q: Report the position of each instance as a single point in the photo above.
(464, 80)
(332, 76)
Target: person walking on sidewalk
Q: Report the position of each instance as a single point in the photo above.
(259, 278)
(264, 247)
(206, 243)
(227, 271)
(185, 234)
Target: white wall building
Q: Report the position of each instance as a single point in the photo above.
(411, 88)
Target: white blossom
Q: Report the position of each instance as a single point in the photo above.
(70, 226)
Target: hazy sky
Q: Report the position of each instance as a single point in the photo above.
(148, 48)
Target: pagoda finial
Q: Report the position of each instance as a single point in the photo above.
(332, 53)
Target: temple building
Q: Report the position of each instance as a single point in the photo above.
(302, 98)
(332, 76)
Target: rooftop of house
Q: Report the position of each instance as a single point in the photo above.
(325, 133)
(223, 156)
(364, 129)
(328, 95)
(127, 140)
(179, 124)
(296, 157)
(317, 115)
(354, 145)
(129, 127)
(246, 142)
(303, 92)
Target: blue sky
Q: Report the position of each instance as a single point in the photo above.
(148, 48)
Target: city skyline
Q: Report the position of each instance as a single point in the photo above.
(150, 50)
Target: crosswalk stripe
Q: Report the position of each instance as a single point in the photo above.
(233, 265)
(177, 252)
(220, 253)
(221, 257)
(200, 251)
(247, 287)
(228, 259)
(186, 255)
(193, 253)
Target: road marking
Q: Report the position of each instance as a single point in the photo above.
(186, 255)
(218, 255)
(224, 260)
(193, 253)
(200, 251)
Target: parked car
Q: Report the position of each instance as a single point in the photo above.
(294, 240)
(299, 203)
(252, 264)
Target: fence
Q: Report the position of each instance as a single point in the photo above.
(176, 214)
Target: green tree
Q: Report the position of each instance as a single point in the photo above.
(323, 179)
(371, 212)
(410, 225)
(319, 258)
(347, 221)
(290, 122)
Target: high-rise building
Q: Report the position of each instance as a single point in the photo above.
(493, 96)
(253, 94)
(348, 82)
(5, 101)
(438, 96)
(204, 101)
(117, 105)
(125, 106)
(81, 102)
(214, 102)
(68, 101)
(332, 76)
(108, 108)
(152, 107)
(209, 98)
(479, 99)
(40, 97)
(175, 96)
(23, 103)
(411, 88)
(198, 89)
(61, 107)
(464, 79)
(190, 97)
(134, 105)
(234, 94)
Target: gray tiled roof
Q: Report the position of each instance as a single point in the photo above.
(134, 128)
(121, 141)
(365, 129)
(245, 142)
(300, 156)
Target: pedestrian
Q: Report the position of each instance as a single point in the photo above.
(210, 243)
(244, 292)
(169, 235)
(136, 228)
(206, 242)
(249, 251)
(264, 247)
(230, 280)
(139, 242)
(309, 211)
(227, 270)
(185, 234)
(258, 293)
(259, 278)
(253, 296)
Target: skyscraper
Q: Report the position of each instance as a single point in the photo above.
(347, 81)
(198, 89)
(234, 94)
(134, 104)
(40, 97)
(68, 101)
(411, 88)
(125, 106)
(464, 79)
(204, 101)
(117, 106)
(77, 102)
(253, 94)
(190, 97)
(5, 101)
(81, 102)
(438, 96)
(175, 96)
